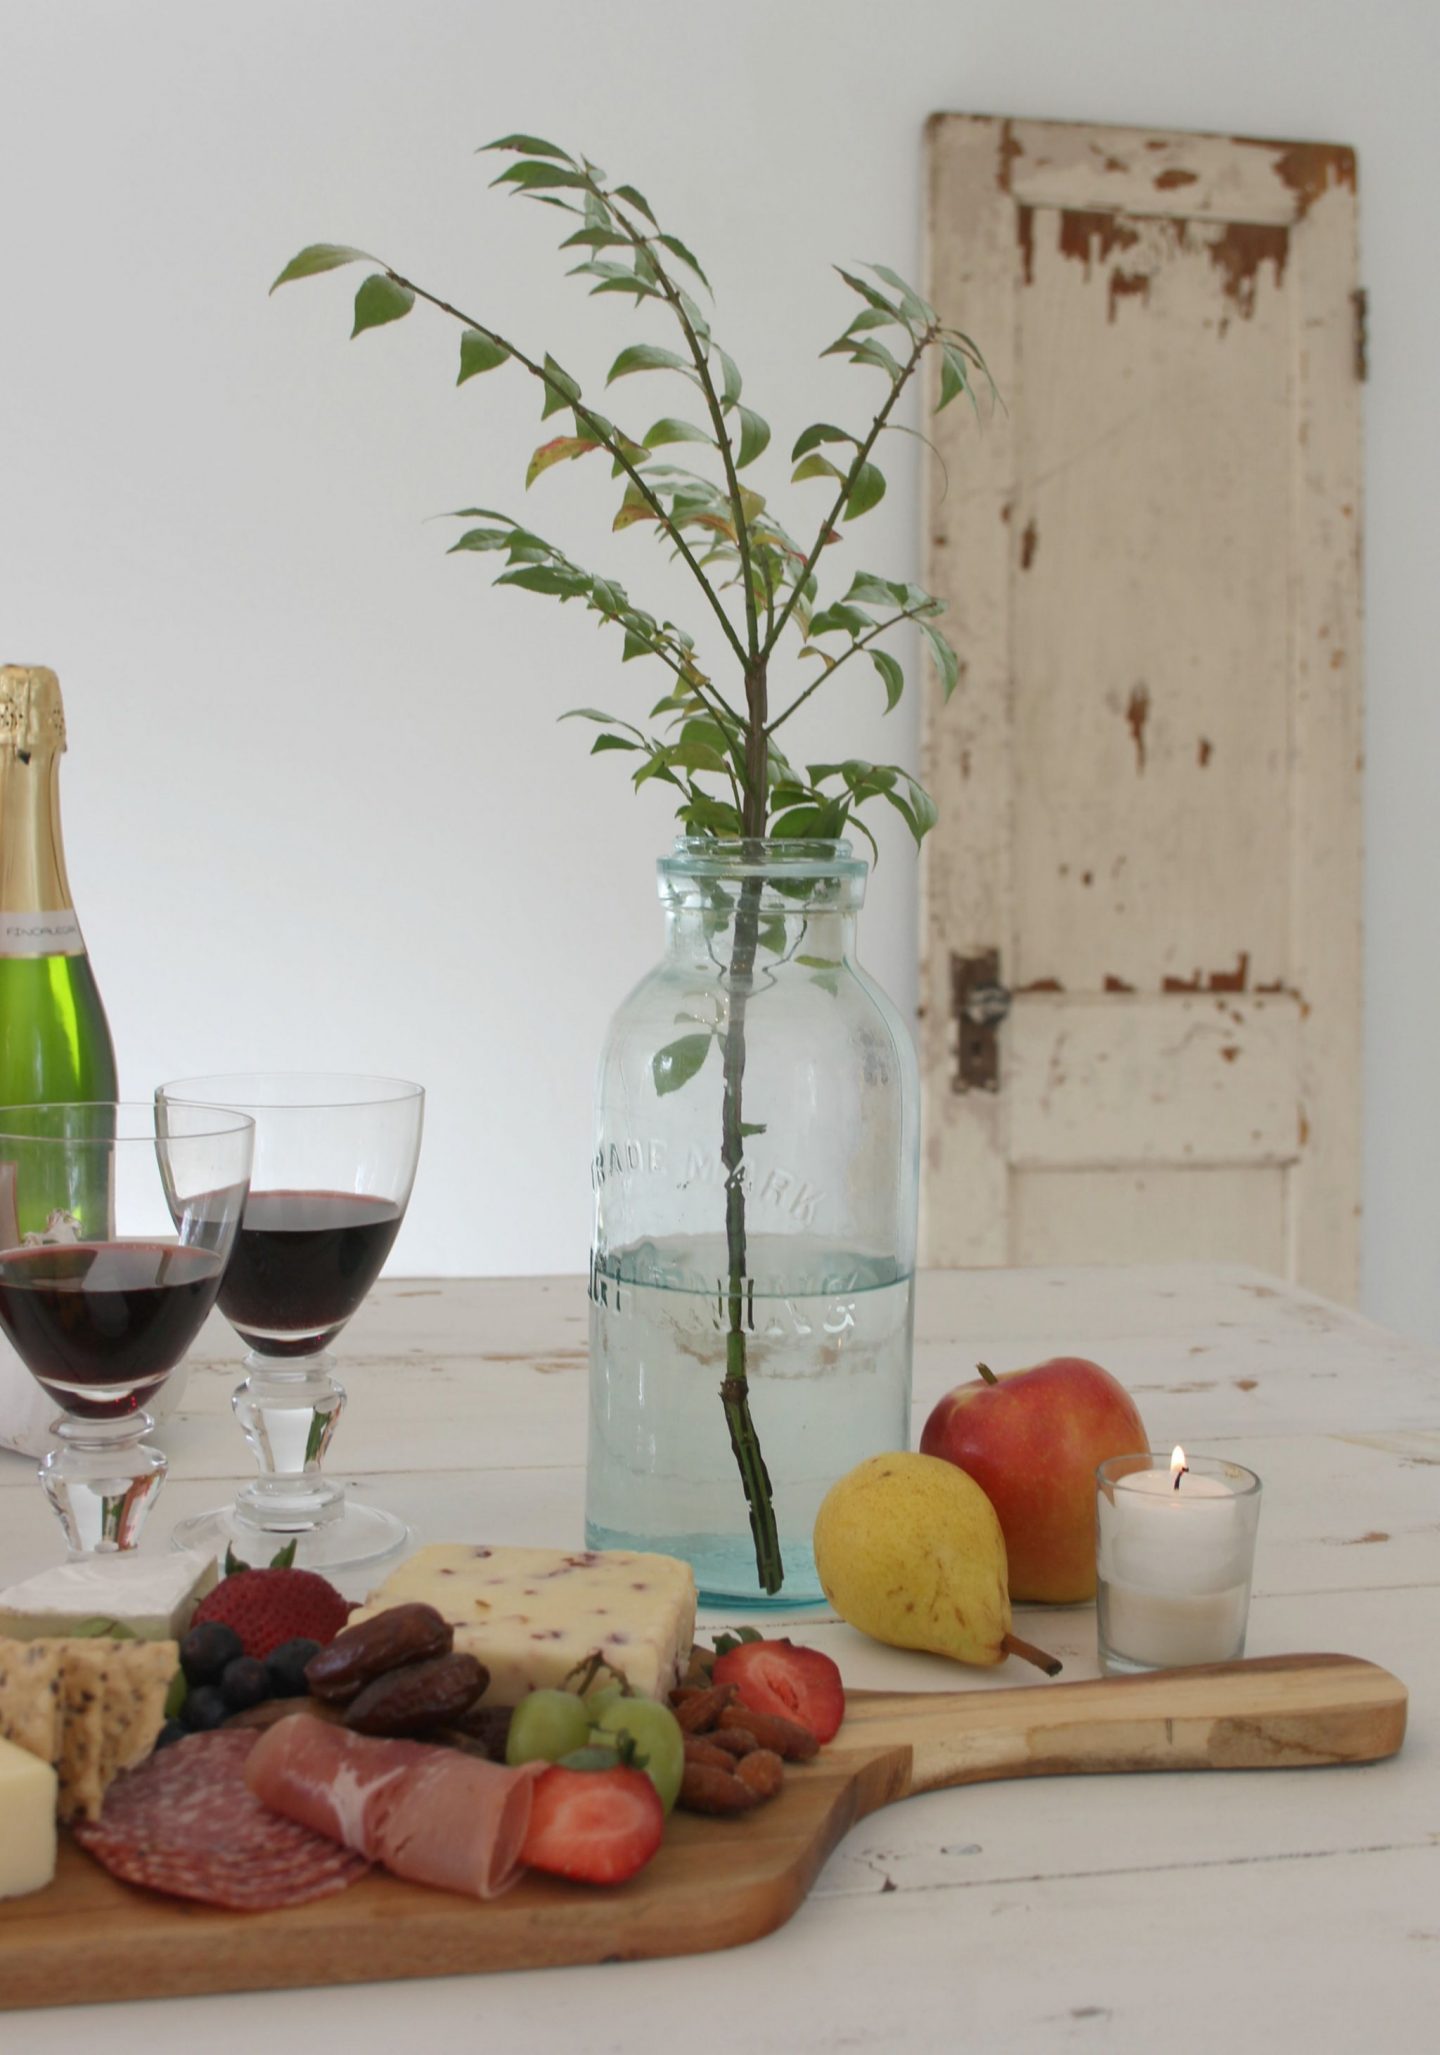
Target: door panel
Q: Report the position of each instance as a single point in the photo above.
(1149, 779)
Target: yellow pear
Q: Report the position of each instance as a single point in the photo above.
(909, 1550)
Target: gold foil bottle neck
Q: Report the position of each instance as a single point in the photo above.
(32, 714)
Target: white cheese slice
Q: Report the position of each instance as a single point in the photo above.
(27, 1822)
(154, 1596)
(532, 1615)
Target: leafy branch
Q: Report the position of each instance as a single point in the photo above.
(733, 780)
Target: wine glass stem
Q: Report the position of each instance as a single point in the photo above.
(101, 1480)
(288, 1408)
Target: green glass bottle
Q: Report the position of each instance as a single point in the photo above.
(54, 1038)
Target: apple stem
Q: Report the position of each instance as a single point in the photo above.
(1028, 1652)
(987, 1373)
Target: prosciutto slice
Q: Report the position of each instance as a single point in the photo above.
(430, 1814)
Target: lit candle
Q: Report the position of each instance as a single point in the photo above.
(1175, 1549)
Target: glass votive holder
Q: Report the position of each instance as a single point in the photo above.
(1175, 1552)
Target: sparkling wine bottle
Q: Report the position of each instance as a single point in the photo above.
(54, 1038)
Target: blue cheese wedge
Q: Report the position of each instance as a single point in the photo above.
(151, 1597)
(532, 1615)
(27, 1822)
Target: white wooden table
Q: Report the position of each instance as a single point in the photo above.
(1247, 1911)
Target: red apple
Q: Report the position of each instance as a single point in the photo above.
(1031, 1439)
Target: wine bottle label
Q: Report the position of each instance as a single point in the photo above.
(41, 934)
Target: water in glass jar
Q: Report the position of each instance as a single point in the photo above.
(828, 1349)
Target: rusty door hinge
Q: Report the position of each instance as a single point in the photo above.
(978, 1004)
(1360, 301)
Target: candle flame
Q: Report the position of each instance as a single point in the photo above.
(1178, 1466)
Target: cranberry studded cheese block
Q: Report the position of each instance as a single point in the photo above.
(530, 1615)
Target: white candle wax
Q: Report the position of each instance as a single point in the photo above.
(1167, 1539)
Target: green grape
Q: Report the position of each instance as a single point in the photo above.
(546, 1725)
(656, 1733)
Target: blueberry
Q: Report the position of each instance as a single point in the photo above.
(244, 1683)
(206, 1708)
(286, 1665)
(172, 1730)
(206, 1650)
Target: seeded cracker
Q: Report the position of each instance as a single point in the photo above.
(137, 1680)
(30, 1707)
(82, 1734)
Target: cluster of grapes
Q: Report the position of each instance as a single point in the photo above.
(220, 1679)
(590, 1733)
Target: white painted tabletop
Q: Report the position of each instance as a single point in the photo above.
(1264, 1910)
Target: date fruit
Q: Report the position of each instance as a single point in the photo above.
(418, 1696)
(358, 1655)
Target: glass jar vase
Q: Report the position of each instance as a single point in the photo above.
(755, 1180)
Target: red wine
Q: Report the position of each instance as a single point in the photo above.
(302, 1263)
(102, 1324)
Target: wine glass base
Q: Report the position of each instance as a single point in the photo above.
(356, 1539)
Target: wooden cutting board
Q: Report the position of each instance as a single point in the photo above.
(715, 1883)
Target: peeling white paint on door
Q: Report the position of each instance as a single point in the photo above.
(1149, 781)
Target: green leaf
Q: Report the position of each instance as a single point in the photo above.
(818, 432)
(946, 661)
(635, 645)
(669, 429)
(479, 352)
(673, 244)
(868, 293)
(677, 1062)
(592, 713)
(564, 449)
(771, 933)
(604, 742)
(317, 257)
(644, 357)
(730, 373)
(754, 437)
(815, 466)
(892, 676)
(752, 1127)
(634, 199)
(528, 176)
(866, 590)
(547, 578)
(954, 375)
(483, 538)
(867, 491)
(529, 146)
(697, 756)
(840, 616)
(713, 816)
(380, 300)
(918, 309)
(561, 389)
(819, 962)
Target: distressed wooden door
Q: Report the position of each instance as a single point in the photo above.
(1149, 778)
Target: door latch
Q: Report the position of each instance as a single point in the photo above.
(978, 1004)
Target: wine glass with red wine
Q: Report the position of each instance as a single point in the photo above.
(334, 1162)
(115, 1230)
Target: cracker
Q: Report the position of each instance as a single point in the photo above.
(30, 1696)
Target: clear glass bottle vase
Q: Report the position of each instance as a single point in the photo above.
(755, 1183)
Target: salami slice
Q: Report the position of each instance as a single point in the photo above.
(185, 1823)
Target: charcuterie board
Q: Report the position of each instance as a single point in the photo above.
(715, 1883)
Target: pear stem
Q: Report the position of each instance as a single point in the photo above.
(1028, 1652)
(987, 1373)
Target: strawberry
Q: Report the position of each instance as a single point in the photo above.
(596, 1826)
(799, 1684)
(269, 1607)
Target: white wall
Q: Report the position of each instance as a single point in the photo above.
(317, 807)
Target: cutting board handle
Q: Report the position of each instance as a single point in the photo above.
(1274, 1712)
